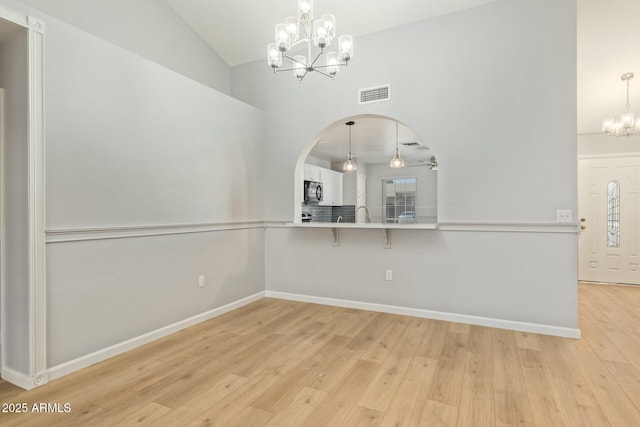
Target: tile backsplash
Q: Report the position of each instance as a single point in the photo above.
(330, 213)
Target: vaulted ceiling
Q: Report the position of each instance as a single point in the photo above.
(239, 30)
(608, 36)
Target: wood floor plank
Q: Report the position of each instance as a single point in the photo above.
(531, 358)
(352, 323)
(527, 341)
(605, 388)
(362, 417)
(580, 404)
(507, 367)
(382, 387)
(512, 408)
(431, 346)
(628, 377)
(276, 362)
(439, 414)
(278, 396)
(147, 415)
(600, 343)
(476, 399)
(480, 340)
(251, 417)
(371, 331)
(446, 385)
(299, 409)
(336, 407)
(408, 402)
(333, 370)
(191, 384)
(194, 408)
(383, 344)
(229, 407)
(544, 399)
(294, 347)
(575, 395)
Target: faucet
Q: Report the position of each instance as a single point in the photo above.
(339, 218)
(368, 217)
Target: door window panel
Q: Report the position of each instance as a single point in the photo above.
(613, 214)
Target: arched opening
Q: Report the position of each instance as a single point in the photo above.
(375, 191)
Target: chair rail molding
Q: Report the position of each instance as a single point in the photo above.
(60, 235)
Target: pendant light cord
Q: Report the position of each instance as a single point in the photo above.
(628, 104)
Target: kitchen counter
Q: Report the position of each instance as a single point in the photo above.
(424, 226)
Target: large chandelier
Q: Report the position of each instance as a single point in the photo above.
(320, 32)
(627, 125)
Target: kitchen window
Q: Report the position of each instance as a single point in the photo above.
(399, 198)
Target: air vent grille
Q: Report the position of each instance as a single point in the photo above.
(374, 94)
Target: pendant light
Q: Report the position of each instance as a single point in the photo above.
(350, 164)
(397, 161)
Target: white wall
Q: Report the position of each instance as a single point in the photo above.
(475, 86)
(311, 160)
(104, 292)
(15, 306)
(505, 276)
(130, 143)
(601, 144)
(150, 28)
(491, 94)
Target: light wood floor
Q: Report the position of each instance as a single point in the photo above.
(285, 363)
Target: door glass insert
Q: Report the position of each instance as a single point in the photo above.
(613, 214)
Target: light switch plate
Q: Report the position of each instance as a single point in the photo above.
(564, 215)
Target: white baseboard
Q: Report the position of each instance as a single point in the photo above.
(106, 353)
(22, 380)
(535, 328)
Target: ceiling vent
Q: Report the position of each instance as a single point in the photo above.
(374, 94)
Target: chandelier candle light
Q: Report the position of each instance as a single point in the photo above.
(320, 32)
(627, 125)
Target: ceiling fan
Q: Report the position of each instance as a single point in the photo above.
(431, 164)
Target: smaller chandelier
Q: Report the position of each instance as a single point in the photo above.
(350, 165)
(628, 124)
(320, 32)
(397, 161)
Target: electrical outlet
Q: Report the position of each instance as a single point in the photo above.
(563, 215)
(388, 275)
(201, 281)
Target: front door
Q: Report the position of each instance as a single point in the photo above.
(609, 208)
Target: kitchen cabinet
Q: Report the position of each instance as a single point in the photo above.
(332, 186)
(312, 173)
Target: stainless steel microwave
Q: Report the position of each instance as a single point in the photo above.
(312, 192)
